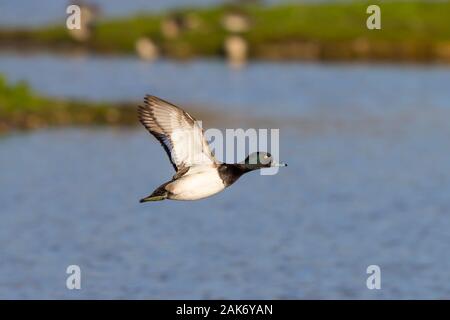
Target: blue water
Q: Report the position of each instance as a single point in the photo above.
(367, 183)
(261, 88)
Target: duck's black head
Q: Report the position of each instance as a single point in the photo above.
(258, 160)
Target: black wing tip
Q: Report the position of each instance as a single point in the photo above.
(142, 112)
(142, 109)
(150, 99)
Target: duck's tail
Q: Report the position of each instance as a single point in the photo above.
(159, 194)
(155, 198)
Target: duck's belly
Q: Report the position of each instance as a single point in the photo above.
(196, 186)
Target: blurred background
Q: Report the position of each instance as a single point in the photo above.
(364, 126)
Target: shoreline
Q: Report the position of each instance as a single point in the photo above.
(286, 32)
(23, 109)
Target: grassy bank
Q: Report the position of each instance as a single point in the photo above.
(410, 31)
(21, 108)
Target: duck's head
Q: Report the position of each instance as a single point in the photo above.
(258, 160)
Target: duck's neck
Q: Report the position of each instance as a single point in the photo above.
(230, 172)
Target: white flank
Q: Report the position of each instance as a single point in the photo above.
(198, 183)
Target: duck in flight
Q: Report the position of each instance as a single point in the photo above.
(198, 173)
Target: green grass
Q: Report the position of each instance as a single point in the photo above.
(21, 108)
(408, 29)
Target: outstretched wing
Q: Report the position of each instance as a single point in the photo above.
(178, 132)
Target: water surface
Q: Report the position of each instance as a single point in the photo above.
(260, 89)
(367, 183)
(346, 201)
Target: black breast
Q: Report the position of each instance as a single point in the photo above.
(229, 173)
